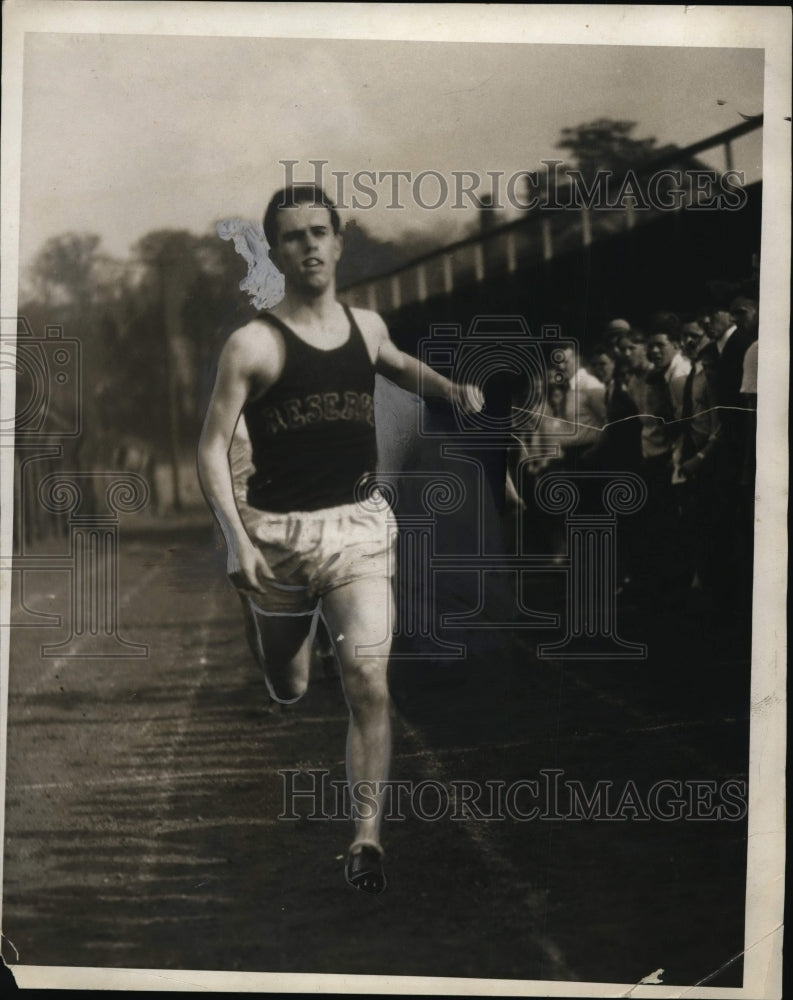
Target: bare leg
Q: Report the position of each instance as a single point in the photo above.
(281, 645)
(360, 614)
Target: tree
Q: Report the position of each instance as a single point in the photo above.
(367, 256)
(66, 280)
(607, 144)
(148, 327)
(62, 272)
(608, 169)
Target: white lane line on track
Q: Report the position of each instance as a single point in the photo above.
(145, 778)
(56, 663)
(454, 752)
(483, 840)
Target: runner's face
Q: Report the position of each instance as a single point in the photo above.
(307, 249)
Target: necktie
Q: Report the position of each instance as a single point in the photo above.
(688, 448)
(688, 396)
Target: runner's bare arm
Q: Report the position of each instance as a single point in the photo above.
(238, 369)
(412, 374)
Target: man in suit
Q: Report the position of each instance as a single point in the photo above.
(695, 452)
(660, 414)
(620, 444)
(725, 356)
(725, 353)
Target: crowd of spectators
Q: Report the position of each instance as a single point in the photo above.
(673, 402)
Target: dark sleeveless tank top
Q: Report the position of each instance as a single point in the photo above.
(312, 433)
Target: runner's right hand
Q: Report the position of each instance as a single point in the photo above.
(247, 567)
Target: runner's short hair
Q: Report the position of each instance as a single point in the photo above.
(290, 197)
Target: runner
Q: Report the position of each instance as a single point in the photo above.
(302, 377)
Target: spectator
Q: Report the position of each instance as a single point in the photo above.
(638, 367)
(700, 424)
(662, 404)
(620, 446)
(660, 560)
(693, 457)
(619, 449)
(539, 451)
(621, 353)
(552, 429)
(584, 409)
(749, 401)
(614, 330)
(602, 365)
(745, 315)
(725, 353)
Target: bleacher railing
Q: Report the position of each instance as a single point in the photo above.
(524, 242)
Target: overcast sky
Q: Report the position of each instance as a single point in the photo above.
(125, 134)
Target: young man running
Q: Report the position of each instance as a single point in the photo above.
(302, 377)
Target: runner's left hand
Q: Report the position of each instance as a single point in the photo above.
(468, 397)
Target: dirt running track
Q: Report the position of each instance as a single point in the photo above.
(143, 796)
